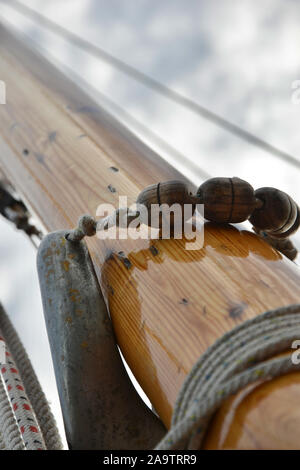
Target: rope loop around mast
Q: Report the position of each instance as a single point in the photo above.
(240, 357)
(86, 226)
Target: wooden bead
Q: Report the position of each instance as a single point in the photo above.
(279, 214)
(167, 192)
(288, 232)
(227, 200)
(293, 228)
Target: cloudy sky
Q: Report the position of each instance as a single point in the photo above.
(237, 58)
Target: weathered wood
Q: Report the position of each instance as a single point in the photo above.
(104, 131)
(3, 178)
(167, 303)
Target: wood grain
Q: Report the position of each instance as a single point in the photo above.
(167, 303)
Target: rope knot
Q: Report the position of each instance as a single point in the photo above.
(86, 226)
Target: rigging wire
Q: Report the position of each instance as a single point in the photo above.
(154, 84)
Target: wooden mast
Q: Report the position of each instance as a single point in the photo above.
(66, 156)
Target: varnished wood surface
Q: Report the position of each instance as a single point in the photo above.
(181, 301)
(167, 303)
(259, 417)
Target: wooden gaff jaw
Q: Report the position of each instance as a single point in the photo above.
(167, 304)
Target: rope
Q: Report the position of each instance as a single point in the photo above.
(238, 358)
(21, 407)
(10, 433)
(86, 227)
(44, 420)
(2, 443)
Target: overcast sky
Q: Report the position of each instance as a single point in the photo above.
(238, 58)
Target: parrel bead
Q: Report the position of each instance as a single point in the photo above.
(227, 200)
(169, 193)
(291, 230)
(279, 214)
(287, 233)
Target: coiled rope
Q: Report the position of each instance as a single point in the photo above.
(26, 421)
(238, 358)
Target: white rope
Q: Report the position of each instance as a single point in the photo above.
(22, 408)
(235, 360)
(10, 433)
(43, 424)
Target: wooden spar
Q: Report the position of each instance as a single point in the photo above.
(66, 156)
